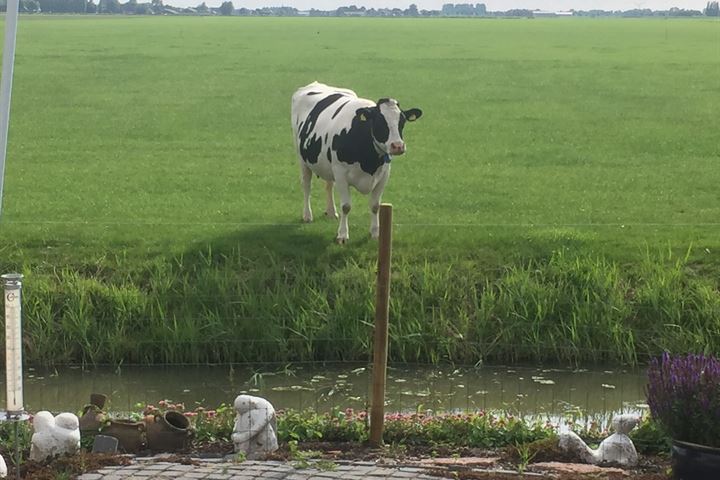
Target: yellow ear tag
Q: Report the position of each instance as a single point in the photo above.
(362, 117)
(411, 118)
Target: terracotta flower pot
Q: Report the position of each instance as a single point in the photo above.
(695, 462)
(169, 432)
(130, 435)
(98, 399)
(92, 420)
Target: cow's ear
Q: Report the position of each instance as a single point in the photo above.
(365, 113)
(412, 114)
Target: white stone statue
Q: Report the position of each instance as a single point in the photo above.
(54, 435)
(617, 449)
(255, 427)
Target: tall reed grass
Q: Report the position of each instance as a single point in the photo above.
(225, 307)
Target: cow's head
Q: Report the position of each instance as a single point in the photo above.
(386, 124)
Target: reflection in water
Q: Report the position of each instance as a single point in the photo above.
(525, 391)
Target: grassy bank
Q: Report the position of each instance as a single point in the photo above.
(559, 176)
(230, 308)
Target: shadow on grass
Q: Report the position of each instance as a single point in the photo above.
(309, 247)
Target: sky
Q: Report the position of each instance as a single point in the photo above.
(492, 5)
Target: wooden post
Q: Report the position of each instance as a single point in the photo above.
(380, 338)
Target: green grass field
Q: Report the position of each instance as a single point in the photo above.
(148, 151)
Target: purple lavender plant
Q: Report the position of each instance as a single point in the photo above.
(683, 393)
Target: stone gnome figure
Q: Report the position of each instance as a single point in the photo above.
(255, 427)
(54, 435)
(617, 449)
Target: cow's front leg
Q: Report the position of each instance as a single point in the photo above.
(374, 203)
(306, 177)
(343, 188)
(330, 211)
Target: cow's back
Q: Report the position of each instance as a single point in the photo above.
(307, 97)
(318, 113)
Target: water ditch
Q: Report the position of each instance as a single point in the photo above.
(528, 391)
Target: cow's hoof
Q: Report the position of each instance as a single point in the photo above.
(331, 215)
(307, 219)
(341, 241)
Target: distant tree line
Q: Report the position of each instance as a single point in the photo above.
(156, 7)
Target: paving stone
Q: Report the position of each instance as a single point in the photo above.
(402, 474)
(158, 466)
(181, 468)
(271, 475)
(462, 461)
(108, 470)
(207, 469)
(381, 472)
(328, 474)
(357, 471)
(577, 468)
(254, 470)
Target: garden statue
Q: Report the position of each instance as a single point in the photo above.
(616, 449)
(255, 427)
(3, 467)
(54, 435)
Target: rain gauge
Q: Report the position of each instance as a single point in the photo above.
(15, 410)
(12, 283)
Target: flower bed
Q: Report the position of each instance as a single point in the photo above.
(342, 434)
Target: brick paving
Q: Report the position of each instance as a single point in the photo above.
(251, 470)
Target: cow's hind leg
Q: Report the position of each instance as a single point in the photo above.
(343, 234)
(306, 178)
(330, 211)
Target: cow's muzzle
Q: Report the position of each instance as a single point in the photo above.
(397, 148)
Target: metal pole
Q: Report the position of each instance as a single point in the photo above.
(17, 449)
(8, 62)
(380, 340)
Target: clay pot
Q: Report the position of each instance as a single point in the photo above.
(98, 399)
(169, 432)
(130, 435)
(92, 419)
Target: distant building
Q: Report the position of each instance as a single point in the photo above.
(548, 13)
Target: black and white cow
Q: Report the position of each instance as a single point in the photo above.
(347, 141)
